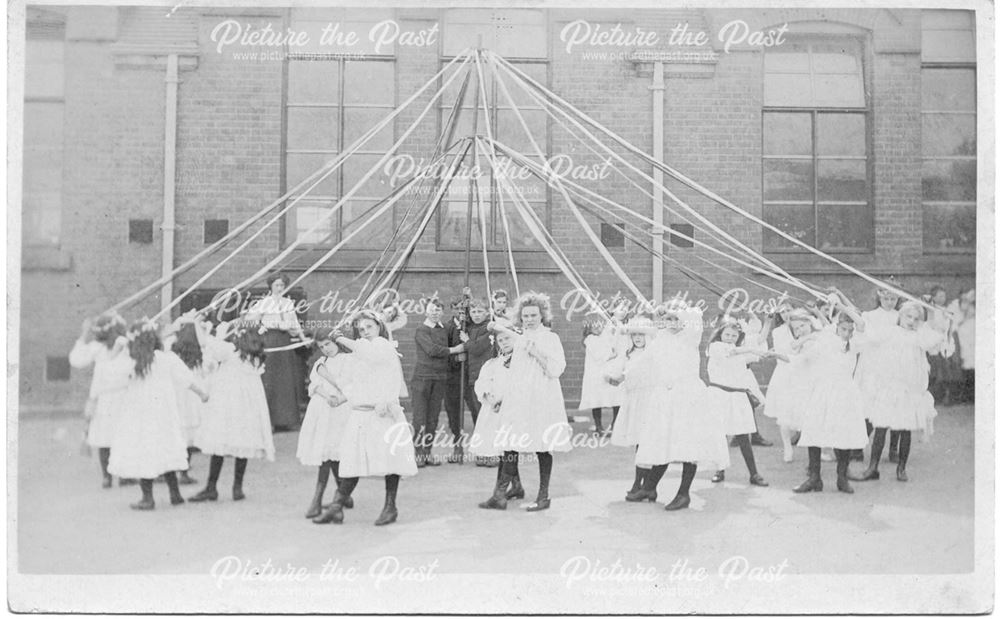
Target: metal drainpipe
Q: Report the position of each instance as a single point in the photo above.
(169, 179)
(657, 88)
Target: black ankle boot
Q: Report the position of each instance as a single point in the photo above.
(516, 489)
(334, 512)
(104, 455)
(175, 491)
(239, 471)
(316, 505)
(499, 498)
(878, 444)
(389, 511)
(843, 462)
(813, 483)
(904, 455)
(146, 503)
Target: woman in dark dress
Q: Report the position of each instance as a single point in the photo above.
(284, 378)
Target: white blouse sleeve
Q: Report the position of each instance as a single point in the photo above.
(555, 359)
(83, 354)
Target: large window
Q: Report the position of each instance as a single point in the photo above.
(519, 36)
(43, 128)
(332, 99)
(816, 136)
(948, 137)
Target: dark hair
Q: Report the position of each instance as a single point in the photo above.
(728, 324)
(249, 344)
(108, 328)
(186, 346)
(273, 277)
(498, 293)
(325, 334)
(143, 344)
(435, 301)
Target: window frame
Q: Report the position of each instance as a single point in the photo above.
(939, 251)
(56, 27)
(289, 229)
(497, 239)
(814, 112)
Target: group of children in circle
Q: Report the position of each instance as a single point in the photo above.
(159, 394)
(841, 376)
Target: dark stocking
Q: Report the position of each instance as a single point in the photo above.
(743, 440)
(597, 420)
(214, 470)
(544, 474)
(687, 476)
(104, 455)
(653, 477)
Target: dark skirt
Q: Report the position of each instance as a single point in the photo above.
(284, 380)
(946, 369)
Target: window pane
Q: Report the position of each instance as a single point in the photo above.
(357, 121)
(521, 236)
(298, 167)
(511, 132)
(43, 170)
(836, 57)
(369, 82)
(946, 181)
(841, 135)
(453, 218)
(949, 134)
(844, 226)
(313, 81)
(308, 214)
(787, 134)
(842, 180)
(520, 94)
(839, 90)
(796, 220)
(787, 89)
(356, 167)
(948, 90)
(792, 57)
(312, 128)
(949, 226)
(786, 180)
(376, 232)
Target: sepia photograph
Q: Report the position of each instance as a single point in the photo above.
(492, 308)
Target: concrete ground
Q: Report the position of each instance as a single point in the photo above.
(67, 524)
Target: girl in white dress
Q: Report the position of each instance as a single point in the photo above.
(236, 422)
(728, 392)
(780, 400)
(96, 346)
(644, 394)
(185, 342)
(883, 318)
(378, 441)
(491, 387)
(596, 393)
(677, 427)
(894, 385)
(833, 413)
(326, 416)
(147, 439)
(532, 416)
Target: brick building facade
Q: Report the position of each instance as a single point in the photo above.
(856, 133)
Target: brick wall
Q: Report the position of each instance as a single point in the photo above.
(229, 152)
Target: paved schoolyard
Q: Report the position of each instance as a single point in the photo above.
(67, 524)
